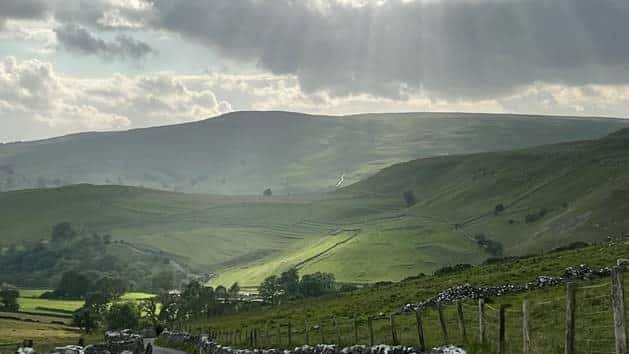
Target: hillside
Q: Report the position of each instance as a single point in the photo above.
(246, 152)
(550, 196)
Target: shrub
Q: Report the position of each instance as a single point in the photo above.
(409, 198)
(457, 268)
(529, 218)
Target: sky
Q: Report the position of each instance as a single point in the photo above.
(82, 65)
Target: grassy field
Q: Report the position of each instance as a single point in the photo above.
(547, 305)
(47, 321)
(45, 336)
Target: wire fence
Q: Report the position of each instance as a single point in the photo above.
(584, 319)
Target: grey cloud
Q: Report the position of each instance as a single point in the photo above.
(450, 49)
(78, 39)
(22, 9)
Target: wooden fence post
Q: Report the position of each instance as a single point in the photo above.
(481, 319)
(502, 329)
(321, 332)
(393, 332)
(336, 330)
(442, 322)
(279, 334)
(461, 320)
(355, 330)
(570, 317)
(290, 338)
(307, 332)
(526, 338)
(618, 307)
(420, 330)
(370, 325)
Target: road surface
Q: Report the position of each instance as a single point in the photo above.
(161, 350)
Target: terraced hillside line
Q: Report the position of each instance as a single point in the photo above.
(327, 250)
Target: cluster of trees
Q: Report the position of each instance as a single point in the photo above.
(198, 300)
(119, 315)
(76, 285)
(289, 285)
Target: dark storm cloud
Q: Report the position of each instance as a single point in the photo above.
(21, 9)
(78, 39)
(457, 48)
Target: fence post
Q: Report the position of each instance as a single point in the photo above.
(618, 307)
(355, 330)
(370, 325)
(420, 330)
(502, 329)
(336, 330)
(526, 338)
(442, 322)
(322, 334)
(481, 318)
(570, 317)
(392, 326)
(461, 319)
(307, 332)
(279, 334)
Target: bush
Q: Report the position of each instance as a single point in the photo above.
(499, 209)
(573, 246)
(122, 316)
(409, 198)
(8, 300)
(529, 218)
(457, 268)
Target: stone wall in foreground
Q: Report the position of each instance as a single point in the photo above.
(205, 345)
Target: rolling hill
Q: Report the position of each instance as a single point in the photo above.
(468, 208)
(247, 152)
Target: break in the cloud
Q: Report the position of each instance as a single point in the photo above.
(78, 39)
(37, 100)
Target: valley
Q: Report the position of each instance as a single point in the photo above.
(465, 209)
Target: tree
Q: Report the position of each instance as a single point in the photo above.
(163, 280)
(317, 284)
(122, 316)
(85, 318)
(8, 300)
(289, 281)
(96, 301)
(111, 287)
(148, 307)
(409, 198)
(234, 290)
(270, 289)
(63, 232)
(221, 293)
(73, 285)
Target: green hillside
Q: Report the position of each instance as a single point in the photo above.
(246, 152)
(550, 195)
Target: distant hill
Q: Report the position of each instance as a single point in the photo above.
(467, 208)
(247, 152)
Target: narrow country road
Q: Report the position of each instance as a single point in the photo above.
(161, 350)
